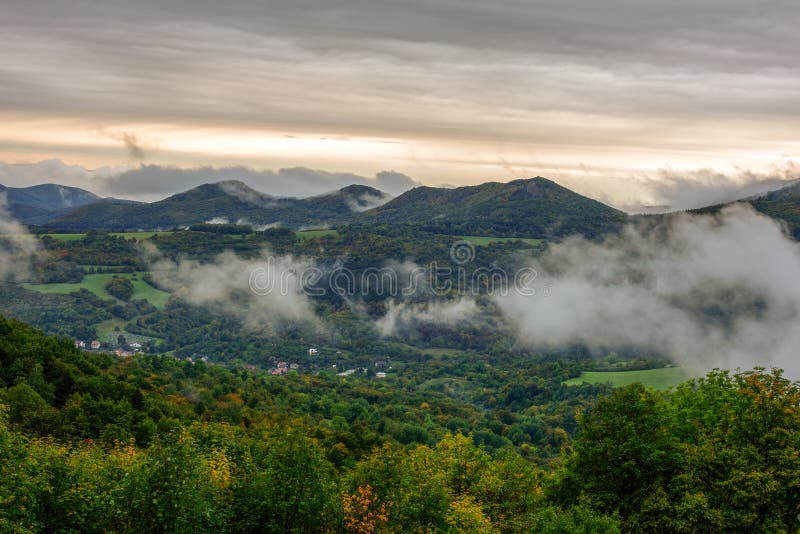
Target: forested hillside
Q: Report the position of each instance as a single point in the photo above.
(92, 443)
(230, 201)
(537, 208)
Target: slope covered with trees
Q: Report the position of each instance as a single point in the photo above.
(90, 443)
(537, 208)
(229, 201)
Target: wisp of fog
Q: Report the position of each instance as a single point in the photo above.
(706, 291)
(17, 246)
(265, 293)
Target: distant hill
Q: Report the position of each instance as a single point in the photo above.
(229, 201)
(535, 207)
(40, 203)
(782, 204)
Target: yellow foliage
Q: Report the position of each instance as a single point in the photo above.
(465, 515)
(363, 514)
(219, 466)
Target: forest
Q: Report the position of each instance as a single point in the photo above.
(92, 443)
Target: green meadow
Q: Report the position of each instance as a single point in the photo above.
(314, 234)
(663, 378)
(126, 235)
(482, 241)
(96, 284)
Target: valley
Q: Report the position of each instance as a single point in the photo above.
(398, 334)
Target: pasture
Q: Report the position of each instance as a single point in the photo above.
(96, 284)
(661, 379)
(482, 241)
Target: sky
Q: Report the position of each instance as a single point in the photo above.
(643, 103)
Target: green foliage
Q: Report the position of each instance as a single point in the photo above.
(287, 486)
(152, 444)
(721, 453)
(230, 229)
(121, 288)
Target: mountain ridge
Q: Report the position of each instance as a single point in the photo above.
(42, 202)
(534, 207)
(229, 200)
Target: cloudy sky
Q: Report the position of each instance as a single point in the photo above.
(634, 102)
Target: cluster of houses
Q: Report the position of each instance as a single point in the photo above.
(282, 368)
(95, 345)
(348, 372)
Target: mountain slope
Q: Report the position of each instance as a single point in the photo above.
(41, 203)
(782, 204)
(229, 201)
(523, 208)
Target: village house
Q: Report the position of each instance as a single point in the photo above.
(80, 344)
(281, 369)
(95, 344)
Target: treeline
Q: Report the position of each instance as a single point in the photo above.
(217, 478)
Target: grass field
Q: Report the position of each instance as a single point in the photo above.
(482, 241)
(438, 352)
(126, 235)
(313, 234)
(107, 332)
(655, 378)
(96, 284)
(65, 237)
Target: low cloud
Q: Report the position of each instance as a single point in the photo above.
(17, 247)
(266, 293)
(55, 171)
(154, 181)
(366, 202)
(404, 316)
(705, 290)
(668, 190)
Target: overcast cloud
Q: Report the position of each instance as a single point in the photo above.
(444, 91)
